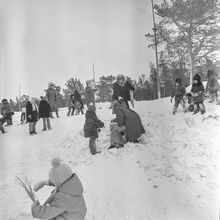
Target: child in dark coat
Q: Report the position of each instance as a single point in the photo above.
(197, 92)
(45, 113)
(178, 94)
(32, 115)
(91, 128)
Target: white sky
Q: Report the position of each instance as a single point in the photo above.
(54, 40)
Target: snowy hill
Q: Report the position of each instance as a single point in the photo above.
(174, 175)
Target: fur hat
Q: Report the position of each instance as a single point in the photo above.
(178, 80)
(197, 77)
(59, 172)
(4, 100)
(51, 84)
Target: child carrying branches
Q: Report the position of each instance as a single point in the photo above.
(66, 201)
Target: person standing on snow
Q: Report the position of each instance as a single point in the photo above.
(44, 113)
(77, 98)
(91, 128)
(197, 92)
(213, 86)
(71, 106)
(51, 95)
(7, 111)
(89, 93)
(122, 89)
(178, 94)
(32, 115)
(66, 201)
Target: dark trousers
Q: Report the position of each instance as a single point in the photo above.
(71, 110)
(1, 128)
(92, 145)
(46, 123)
(32, 127)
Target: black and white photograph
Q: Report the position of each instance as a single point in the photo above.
(110, 109)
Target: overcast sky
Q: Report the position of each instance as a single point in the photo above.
(53, 40)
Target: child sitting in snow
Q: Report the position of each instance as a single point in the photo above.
(190, 102)
(178, 94)
(66, 201)
(91, 128)
(117, 138)
(197, 92)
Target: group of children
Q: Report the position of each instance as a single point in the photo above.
(196, 96)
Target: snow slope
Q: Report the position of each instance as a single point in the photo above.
(173, 175)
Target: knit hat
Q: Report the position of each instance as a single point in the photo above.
(59, 172)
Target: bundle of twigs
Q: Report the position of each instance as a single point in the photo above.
(26, 185)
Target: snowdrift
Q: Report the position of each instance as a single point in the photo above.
(172, 175)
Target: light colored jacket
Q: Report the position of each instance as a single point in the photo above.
(116, 137)
(66, 203)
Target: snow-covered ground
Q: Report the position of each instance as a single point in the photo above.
(174, 175)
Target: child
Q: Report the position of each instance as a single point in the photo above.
(44, 113)
(91, 126)
(71, 105)
(178, 94)
(32, 115)
(66, 201)
(197, 92)
(77, 107)
(190, 102)
(213, 86)
(7, 111)
(117, 138)
(23, 114)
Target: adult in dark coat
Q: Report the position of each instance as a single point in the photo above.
(51, 95)
(91, 126)
(77, 98)
(130, 119)
(122, 89)
(44, 113)
(32, 115)
(213, 86)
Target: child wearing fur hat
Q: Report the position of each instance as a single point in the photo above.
(197, 92)
(91, 128)
(66, 201)
(117, 138)
(178, 94)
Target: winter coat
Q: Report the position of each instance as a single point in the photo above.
(51, 95)
(66, 203)
(77, 98)
(131, 120)
(92, 124)
(116, 136)
(122, 91)
(179, 91)
(212, 84)
(6, 108)
(44, 109)
(90, 95)
(198, 88)
(32, 115)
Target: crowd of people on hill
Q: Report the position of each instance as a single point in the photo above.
(67, 201)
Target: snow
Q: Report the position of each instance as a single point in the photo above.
(173, 174)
